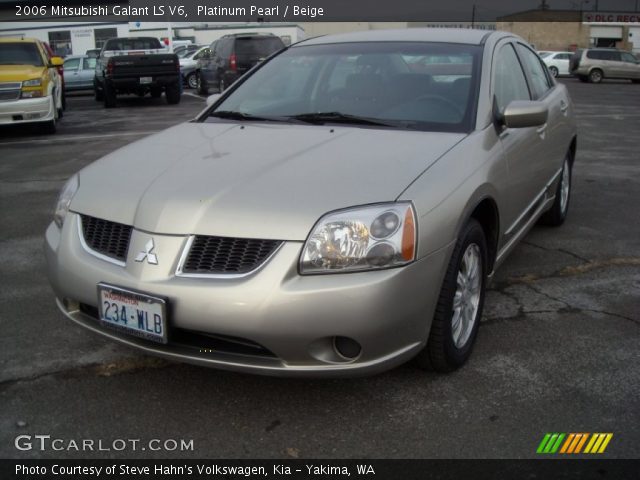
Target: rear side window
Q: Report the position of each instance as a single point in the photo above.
(603, 55)
(257, 46)
(539, 81)
(509, 80)
(146, 43)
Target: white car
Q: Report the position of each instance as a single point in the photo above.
(557, 62)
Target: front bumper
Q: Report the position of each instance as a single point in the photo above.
(294, 318)
(26, 110)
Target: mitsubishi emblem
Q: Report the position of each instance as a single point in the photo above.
(152, 258)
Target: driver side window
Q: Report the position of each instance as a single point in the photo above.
(508, 78)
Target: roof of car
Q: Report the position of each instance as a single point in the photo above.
(443, 35)
(18, 39)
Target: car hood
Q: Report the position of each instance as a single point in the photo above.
(19, 73)
(256, 180)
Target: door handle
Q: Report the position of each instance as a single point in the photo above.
(541, 130)
(563, 106)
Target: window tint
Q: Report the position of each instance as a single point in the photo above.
(141, 43)
(72, 64)
(627, 57)
(509, 80)
(20, 54)
(563, 56)
(384, 81)
(539, 81)
(603, 55)
(89, 63)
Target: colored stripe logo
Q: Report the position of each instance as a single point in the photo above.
(568, 443)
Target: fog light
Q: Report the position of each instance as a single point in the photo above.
(346, 347)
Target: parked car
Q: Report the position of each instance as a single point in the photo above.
(186, 50)
(30, 86)
(79, 70)
(231, 56)
(136, 65)
(189, 66)
(557, 62)
(595, 64)
(60, 70)
(335, 212)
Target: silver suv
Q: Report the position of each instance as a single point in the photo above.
(594, 64)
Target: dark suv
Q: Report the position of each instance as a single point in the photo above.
(231, 56)
(594, 64)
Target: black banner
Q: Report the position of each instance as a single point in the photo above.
(583, 469)
(295, 11)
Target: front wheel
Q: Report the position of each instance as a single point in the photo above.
(459, 308)
(51, 126)
(203, 88)
(109, 95)
(595, 76)
(557, 214)
(192, 81)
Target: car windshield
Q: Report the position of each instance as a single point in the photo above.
(20, 54)
(423, 86)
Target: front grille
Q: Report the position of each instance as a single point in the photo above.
(222, 255)
(105, 237)
(6, 95)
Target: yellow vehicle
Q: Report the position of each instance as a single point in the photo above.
(30, 86)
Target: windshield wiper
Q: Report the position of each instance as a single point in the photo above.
(337, 117)
(234, 115)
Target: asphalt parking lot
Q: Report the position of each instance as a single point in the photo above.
(558, 351)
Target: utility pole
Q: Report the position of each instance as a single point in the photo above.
(473, 15)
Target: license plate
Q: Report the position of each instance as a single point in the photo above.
(133, 313)
(145, 80)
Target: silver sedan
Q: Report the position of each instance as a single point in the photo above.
(337, 211)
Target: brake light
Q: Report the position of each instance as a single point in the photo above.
(110, 67)
(233, 62)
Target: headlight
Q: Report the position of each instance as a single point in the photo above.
(36, 82)
(363, 238)
(64, 200)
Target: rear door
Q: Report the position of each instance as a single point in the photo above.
(71, 70)
(631, 65)
(617, 67)
(250, 51)
(87, 71)
(562, 60)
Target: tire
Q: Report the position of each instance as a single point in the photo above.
(556, 215)
(583, 78)
(636, 80)
(156, 92)
(192, 80)
(172, 93)
(448, 348)
(554, 71)
(109, 96)
(203, 88)
(97, 92)
(221, 85)
(64, 100)
(595, 75)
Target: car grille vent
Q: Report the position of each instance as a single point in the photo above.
(222, 255)
(105, 237)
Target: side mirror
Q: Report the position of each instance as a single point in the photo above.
(56, 62)
(523, 113)
(211, 99)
